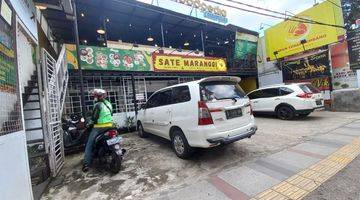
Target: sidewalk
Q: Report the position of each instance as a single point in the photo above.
(289, 174)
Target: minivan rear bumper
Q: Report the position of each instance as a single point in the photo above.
(228, 140)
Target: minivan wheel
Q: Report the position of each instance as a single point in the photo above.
(180, 145)
(141, 131)
(285, 113)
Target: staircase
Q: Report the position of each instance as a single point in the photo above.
(38, 158)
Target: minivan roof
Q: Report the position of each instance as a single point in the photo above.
(282, 84)
(234, 79)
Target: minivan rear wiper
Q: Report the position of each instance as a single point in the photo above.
(232, 98)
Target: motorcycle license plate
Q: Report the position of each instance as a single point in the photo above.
(113, 141)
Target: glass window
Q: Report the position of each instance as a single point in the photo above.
(255, 95)
(165, 97)
(272, 92)
(217, 90)
(181, 94)
(308, 88)
(285, 91)
(154, 101)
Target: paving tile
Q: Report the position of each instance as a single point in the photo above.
(202, 190)
(345, 139)
(294, 159)
(315, 148)
(348, 131)
(247, 180)
(327, 142)
(270, 170)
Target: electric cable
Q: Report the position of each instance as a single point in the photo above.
(274, 16)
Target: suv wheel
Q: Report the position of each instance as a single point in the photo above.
(285, 113)
(180, 144)
(141, 131)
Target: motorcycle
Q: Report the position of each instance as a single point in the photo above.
(108, 151)
(75, 132)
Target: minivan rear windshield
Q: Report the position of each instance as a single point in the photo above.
(218, 90)
(308, 88)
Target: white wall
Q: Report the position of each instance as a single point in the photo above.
(14, 172)
(26, 65)
(268, 73)
(358, 77)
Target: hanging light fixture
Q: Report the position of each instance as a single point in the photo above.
(150, 38)
(41, 6)
(186, 43)
(101, 30)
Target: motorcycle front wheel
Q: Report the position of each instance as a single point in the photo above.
(115, 163)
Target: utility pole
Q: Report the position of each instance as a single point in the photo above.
(77, 43)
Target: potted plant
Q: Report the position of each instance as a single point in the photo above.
(130, 124)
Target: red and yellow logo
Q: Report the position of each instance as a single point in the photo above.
(297, 30)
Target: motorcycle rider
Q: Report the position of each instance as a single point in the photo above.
(103, 120)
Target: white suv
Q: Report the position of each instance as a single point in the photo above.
(203, 113)
(287, 100)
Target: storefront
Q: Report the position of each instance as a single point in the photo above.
(131, 76)
(305, 51)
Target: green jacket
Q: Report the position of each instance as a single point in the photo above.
(102, 114)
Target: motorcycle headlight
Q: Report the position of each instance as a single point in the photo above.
(117, 146)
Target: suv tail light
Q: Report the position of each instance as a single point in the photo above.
(204, 114)
(305, 95)
(112, 133)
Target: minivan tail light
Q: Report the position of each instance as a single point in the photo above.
(305, 95)
(204, 114)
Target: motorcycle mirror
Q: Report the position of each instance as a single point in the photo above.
(82, 119)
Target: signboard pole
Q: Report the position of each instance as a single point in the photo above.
(76, 34)
(202, 41)
(134, 94)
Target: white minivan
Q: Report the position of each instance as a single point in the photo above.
(203, 113)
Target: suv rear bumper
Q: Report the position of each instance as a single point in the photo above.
(227, 140)
(305, 111)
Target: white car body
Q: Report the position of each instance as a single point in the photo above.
(162, 120)
(301, 97)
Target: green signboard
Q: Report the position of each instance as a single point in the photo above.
(102, 58)
(244, 49)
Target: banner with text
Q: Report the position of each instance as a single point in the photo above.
(294, 36)
(313, 66)
(102, 58)
(178, 63)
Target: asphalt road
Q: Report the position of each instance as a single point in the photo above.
(150, 167)
(344, 185)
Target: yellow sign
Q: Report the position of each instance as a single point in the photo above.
(163, 62)
(294, 35)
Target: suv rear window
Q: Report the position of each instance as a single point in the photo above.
(217, 90)
(308, 88)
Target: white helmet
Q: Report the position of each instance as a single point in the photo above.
(99, 93)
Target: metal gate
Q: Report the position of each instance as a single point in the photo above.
(140, 88)
(54, 81)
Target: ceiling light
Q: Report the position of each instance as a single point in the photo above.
(206, 37)
(101, 31)
(170, 47)
(85, 41)
(107, 20)
(104, 44)
(41, 7)
(130, 25)
(181, 34)
(194, 35)
(226, 42)
(150, 39)
(156, 45)
(186, 44)
(82, 14)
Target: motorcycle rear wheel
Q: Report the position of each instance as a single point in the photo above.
(115, 163)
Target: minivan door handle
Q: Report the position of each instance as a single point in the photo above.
(255, 102)
(277, 99)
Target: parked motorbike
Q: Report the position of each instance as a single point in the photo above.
(108, 151)
(76, 131)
